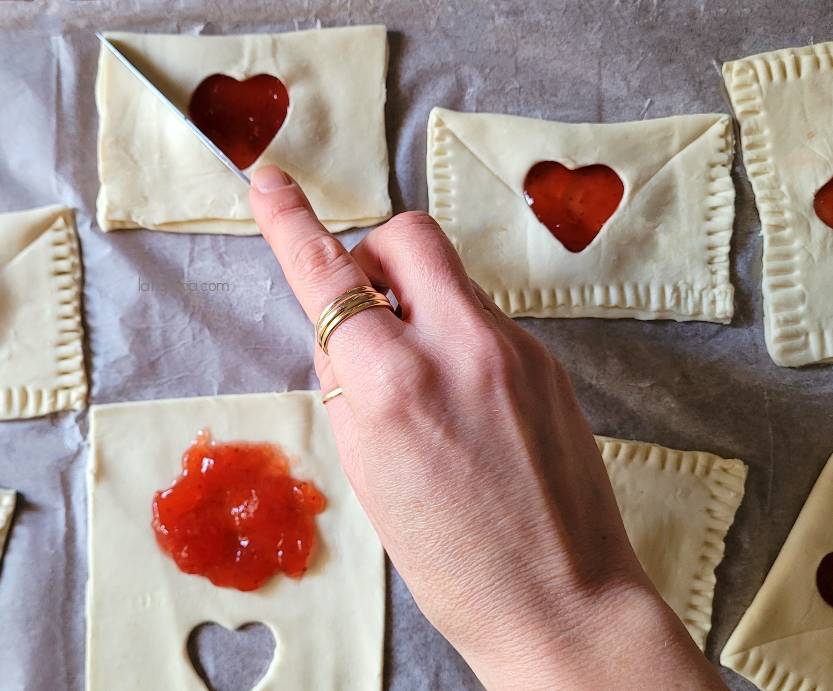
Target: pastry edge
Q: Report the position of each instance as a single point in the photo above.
(790, 340)
(765, 673)
(725, 479)
(21, 402)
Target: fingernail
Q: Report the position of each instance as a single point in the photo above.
(270, 179)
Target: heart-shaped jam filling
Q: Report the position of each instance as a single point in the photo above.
(823, 204)
(573, 204)
(231, 659)
(241, 118)
(824, 579)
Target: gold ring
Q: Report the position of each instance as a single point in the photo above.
(345, 306)
(330, 395)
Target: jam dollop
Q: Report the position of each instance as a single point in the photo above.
(824, 579)
(241, 118)
(235, 515)
(823, 204)
(573, 204)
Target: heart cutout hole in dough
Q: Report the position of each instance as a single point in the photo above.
(241, 118)
(573, 204)
(231, 660)
(823, 204)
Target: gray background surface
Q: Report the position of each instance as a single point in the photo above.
(688, 386)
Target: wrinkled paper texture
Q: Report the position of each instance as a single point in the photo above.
(156, 328)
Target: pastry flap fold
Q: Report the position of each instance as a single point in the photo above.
(785, 638)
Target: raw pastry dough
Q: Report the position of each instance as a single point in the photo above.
(8, 498)
(784, 640)
(329, 625)
(41, 337)
(784, 103)
(664, 254)
(155, 174)
(677, 507)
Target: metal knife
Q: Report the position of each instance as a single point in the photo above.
(206, 142)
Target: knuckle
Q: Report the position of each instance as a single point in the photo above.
(414, 218)
(317, 253)
(410, 225)
(418, 235)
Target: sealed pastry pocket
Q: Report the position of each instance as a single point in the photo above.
(677, 507)
(311, 102)
(784, 639)
(783, 101)
(583, 220)
(41, 335)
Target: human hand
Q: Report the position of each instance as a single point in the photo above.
(464, 443)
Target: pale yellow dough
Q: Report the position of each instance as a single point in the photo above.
(155, 174)
(41, 337)
(677, 507)
(329, 625)
(784, 103)
(8, 499)
(664, 254)
(784, 642)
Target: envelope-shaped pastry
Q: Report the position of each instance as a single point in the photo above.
(784, 103)
(580, 220)
(328, 625)
(785, 638)
(677, 507)
(311, 101)
(7, 502)
(41, 338)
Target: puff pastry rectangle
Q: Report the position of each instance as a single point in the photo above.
(155, 174)
(677, 507)
(784, 642)
(784, 103)
(328, 626)
(41, 336)
(664, 254)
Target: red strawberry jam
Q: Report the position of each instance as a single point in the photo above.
(236, 516)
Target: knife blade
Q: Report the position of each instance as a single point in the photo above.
(184, 119)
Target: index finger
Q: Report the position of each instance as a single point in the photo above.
(315, 263)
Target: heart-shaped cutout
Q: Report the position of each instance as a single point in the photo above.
(573, 204)
(231, 660)
(823, 204)
(241, 118)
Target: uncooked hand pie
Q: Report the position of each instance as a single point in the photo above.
(579, 220)
(311, 101)
(677, 507)
(784, 103)
(785, 638)
(141, 607)
(41, 337)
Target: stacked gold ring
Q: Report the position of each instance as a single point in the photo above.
(345, 306)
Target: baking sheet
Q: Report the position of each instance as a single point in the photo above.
(689, 386)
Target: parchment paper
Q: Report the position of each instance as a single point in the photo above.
(689, 386)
